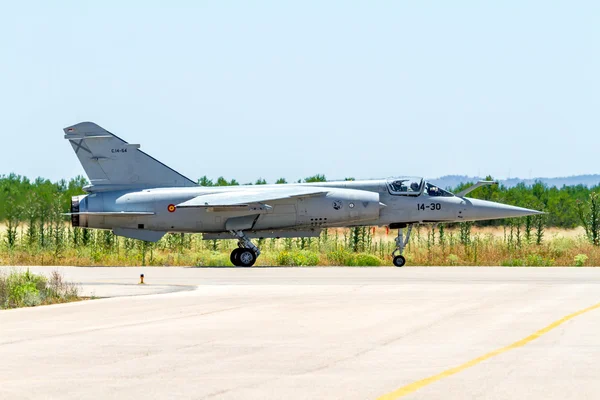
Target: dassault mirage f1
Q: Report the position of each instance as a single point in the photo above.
(138, 197)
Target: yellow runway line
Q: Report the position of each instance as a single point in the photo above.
(413, 387)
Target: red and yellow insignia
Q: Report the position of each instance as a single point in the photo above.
(172, 208)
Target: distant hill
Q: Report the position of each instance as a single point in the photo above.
(452, 181)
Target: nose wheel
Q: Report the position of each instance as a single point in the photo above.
(399, 259)
(246, 254)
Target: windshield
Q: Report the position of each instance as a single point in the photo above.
(433, 190)
(405, 186)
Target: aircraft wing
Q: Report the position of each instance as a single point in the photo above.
(246, 198)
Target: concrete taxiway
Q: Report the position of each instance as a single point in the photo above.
(310, 333)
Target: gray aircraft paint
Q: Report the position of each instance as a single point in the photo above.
(136, 196)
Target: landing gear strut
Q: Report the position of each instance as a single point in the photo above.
(401, 243)
(246, 254)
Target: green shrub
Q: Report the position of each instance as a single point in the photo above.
(536, 260)
(345, 258)
(32, 298)
(338, 257)
(59, 291)
(560, 246)
(285, 258)
(298, 258)
(23, 294)
(453, 259)
(212, 259)
(365, 260)
(3, 293)
(580, 260)
(513, 262)
(24, 289)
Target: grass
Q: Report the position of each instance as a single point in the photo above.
(486, 246)
(25, 289)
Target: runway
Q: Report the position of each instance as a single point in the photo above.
(310, 333)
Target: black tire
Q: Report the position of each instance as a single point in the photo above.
(246, 258)
(235, 256)
(399, 261)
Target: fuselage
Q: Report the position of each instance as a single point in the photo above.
(391, 202)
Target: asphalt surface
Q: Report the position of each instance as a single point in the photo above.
(310, 333)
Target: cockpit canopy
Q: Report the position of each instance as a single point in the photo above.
(411, 186)
(405, 186)
(433, 190)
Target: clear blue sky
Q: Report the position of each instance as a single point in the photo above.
(290, 89)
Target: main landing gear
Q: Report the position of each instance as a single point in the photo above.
(246, 254)
(401, 243)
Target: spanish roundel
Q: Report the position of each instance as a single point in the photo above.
(172, 208)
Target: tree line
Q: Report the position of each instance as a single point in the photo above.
(40, 203)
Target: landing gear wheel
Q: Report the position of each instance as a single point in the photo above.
(235, 256)
(399, 261)
(246, 258)
(245, 255)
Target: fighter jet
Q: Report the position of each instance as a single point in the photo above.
(136, 196)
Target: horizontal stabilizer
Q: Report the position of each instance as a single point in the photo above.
(250, 197)
(113, 214)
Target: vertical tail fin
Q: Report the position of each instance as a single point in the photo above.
(111, 163)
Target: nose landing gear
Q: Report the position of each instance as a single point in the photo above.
(246, 254)
(399, 260)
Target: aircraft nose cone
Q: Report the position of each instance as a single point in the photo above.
(481, 209)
